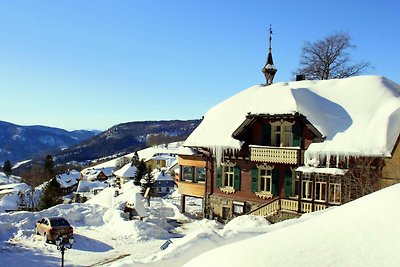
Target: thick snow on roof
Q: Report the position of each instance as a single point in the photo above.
(126, 171)
(68, 179)
(85, 186)
(11, 179)
(358, 115)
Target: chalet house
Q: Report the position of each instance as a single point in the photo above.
(125, 174)
(293, 147)
(163, 182)
(93, 174)
(68, 181)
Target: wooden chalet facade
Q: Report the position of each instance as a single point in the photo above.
(303, 155)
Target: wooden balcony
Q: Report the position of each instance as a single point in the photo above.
(284, 155)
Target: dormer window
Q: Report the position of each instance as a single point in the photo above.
(281, 134)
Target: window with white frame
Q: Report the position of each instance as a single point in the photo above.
(320, 187)
(306, 186)
(238, 207)
(334, 190)
(265, 179)
(281, 133)
(227, 175)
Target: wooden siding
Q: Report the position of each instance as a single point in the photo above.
(191, 189)
(191, 161)
(391, 170)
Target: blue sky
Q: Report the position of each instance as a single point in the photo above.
(93, 64)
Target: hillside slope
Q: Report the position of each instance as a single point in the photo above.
(22, 142)
(128, 137)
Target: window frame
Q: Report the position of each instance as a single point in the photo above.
(306, 186)
(283, 133)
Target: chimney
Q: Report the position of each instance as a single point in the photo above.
(300, 77)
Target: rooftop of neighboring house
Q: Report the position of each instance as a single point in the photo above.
(11, 179)
(162, 175)
(127, 170)
(90, 174)
(68, 179)
(85, 186)
(356, 116)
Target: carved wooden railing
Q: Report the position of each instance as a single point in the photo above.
(266, 209)
(275, 154)
(277, 204)
(288, 204)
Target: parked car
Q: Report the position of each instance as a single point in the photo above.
(52, 227)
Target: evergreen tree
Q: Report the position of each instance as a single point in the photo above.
(52, 195)
(148, 182)
(140, 172)
(48, 167)
(7, 169)
(135, 159)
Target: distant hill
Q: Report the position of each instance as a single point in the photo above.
(128, 137)
(22, 142)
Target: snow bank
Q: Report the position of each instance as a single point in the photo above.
(364, 232)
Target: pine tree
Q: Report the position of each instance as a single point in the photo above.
(52, 195)
(140, 172)
(148, 184)
(7, 169)
(48, 167)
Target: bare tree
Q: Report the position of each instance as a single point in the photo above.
(328, 58)
(363, 177)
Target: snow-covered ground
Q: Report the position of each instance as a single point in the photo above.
(362, 233)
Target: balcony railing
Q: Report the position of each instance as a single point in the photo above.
(284, 155)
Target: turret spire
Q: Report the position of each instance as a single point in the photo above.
(269, 69)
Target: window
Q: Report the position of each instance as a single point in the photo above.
(200, 175)
(296, 185)
(227, 177)
(238, 207)
(306, 186)
(167, 189)
(187, 173)
(288, 136)
(265, 180)
(334, 190)
(281, 134)
(193, 174)
(320, 188)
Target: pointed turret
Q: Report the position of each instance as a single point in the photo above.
(269, 69)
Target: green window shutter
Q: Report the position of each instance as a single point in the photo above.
(275, 176)
(219, 176)
(288, 183)
(236, 178)
(297, 134)
(266, 135)
(254, 180)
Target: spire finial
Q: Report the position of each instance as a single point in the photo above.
(270, 36)
(269, 69)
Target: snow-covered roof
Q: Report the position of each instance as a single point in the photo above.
(126, 171)
(11, 179)
(358, 115)
(68, 179)
(162, 176)
(90, 174)
(85, 186)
